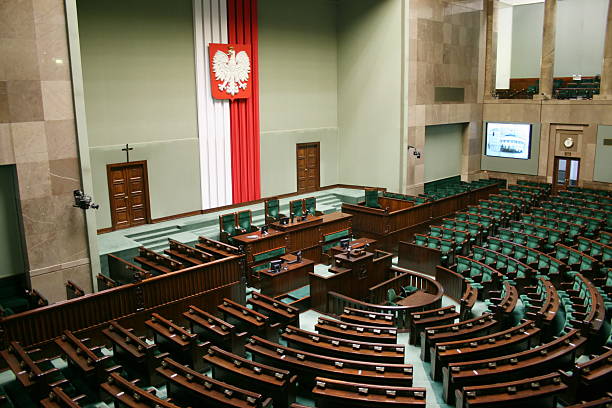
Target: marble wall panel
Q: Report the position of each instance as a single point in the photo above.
(38, 135)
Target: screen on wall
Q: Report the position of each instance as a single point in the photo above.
(510, 140)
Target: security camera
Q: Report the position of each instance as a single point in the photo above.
(83, 201)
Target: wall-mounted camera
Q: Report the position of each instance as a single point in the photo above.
(83, 201)
(415, 152)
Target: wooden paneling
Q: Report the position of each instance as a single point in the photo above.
(172, 290)
(389, 227)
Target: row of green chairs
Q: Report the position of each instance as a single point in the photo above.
(602, 193)
(520, 203)
(473, 228)
(475, 273)
(445, 246)
(537, 191)
(511, 268)
(460, 238)
(605, 238)
(508, 208)
(537, 297)
(579, 202)
(596, 250)
(577, 261)
(550, 236)
(234, 224)
(579, 298)
(545, 186)
(586, 196)
(486, 221)
(404, 197)
(572, 230)
(301, 207)
(499, 215)
(545, 264)
(529, 198)
(519, 237)
(602, 215)
(592, 225)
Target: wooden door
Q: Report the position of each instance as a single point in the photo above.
(308, 167)
(567, 172)
(129, 194)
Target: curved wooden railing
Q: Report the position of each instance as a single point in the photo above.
(336, 302)
(90, 311)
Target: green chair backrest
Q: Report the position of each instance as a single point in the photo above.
(420, 240)
(244, 220)
(273, 208)
(435, 231)
(296, 208)
(371, 198)
(228, 222)
(311, 205)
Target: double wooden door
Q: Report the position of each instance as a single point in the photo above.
(308, 167)
(567, 171)
(129, 194)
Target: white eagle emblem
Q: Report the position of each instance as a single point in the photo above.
(232, 70)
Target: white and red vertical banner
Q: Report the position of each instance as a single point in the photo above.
(228, 100)
(244, 113)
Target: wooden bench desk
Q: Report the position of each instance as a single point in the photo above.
(231, 368)
(59, 399)
(291, 276)
(367, 317)
(539, 391)
(475, 327)
(134, 353)
(128, 394)
(334, 393)
(352, 331)
(433, 317)
(217, 331)
(248, 319)
(90, 363)
(181, 344)
(557, 354)
(276, 310)
(519, 337)
(309, 365)
(191, 388)
(342, 348)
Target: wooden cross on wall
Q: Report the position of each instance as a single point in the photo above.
(127, 149)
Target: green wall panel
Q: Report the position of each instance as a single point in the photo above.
(139, 80)
(443, 151)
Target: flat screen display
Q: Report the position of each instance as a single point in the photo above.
(510, 140)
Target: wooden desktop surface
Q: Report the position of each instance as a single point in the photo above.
(295, 276)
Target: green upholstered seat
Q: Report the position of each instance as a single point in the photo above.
(228, 224)
(392, 297)
(371, 199)
(334, 236)
(311, 205)
(435, 231)
(244, 220)
(273, 253)
(273, 207)
(297, 208)
(420, 240)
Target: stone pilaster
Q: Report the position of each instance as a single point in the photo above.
(606, 71)
(547, 67)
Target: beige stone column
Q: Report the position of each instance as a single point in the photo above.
(606, 71)
(491, 48)
(547, 67)
(38, 136)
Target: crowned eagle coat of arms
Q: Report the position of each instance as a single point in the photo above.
(230, 71)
